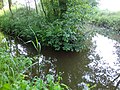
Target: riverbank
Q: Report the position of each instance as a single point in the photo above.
(103, 49)
(52, 26)
(107, 19)
(96, 68)
(13, 72)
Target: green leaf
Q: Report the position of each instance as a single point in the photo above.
(50, 78)
(7, 86)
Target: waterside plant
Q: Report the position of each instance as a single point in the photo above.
(13, 78)
(65, 32)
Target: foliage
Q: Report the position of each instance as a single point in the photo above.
(51, 9)
(11, 67)
(12, 78)
(66, 33)
(54, 9)
(93, 2)
(108, 20)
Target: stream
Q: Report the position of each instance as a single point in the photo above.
(98, 68)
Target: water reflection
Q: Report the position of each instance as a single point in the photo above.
(106, 67)
(72, 65)
(18, 47)
(97, 67)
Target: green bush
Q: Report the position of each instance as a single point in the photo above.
(62, 34)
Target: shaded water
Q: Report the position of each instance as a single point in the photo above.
(98, 67)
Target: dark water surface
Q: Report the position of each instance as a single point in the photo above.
(99, 67)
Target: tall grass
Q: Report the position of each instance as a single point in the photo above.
(108, 20)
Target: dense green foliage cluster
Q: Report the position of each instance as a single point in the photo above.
(108, 20)
(62, 33)
(12, 77)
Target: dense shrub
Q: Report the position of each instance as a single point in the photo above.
(65, 33)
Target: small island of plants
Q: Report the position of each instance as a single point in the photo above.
(55, 23)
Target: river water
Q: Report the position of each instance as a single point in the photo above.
(98, 67)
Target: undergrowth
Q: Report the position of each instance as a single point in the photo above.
(13, 78)
(110, 20)
(66, 34)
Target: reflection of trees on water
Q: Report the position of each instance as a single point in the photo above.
(19, 47)
(117, 46)
(77, 68)
(105, 71)
(72, 65)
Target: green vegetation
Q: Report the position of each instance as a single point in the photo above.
(55, 23)
(12, 77)
(1, 4)
(60, 24)
(64, 31)
(107, 19)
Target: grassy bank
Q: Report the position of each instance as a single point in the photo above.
(110, 20)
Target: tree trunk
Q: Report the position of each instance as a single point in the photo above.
(36, 6)
(63, 6)
(43, 7)
(10, 4)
